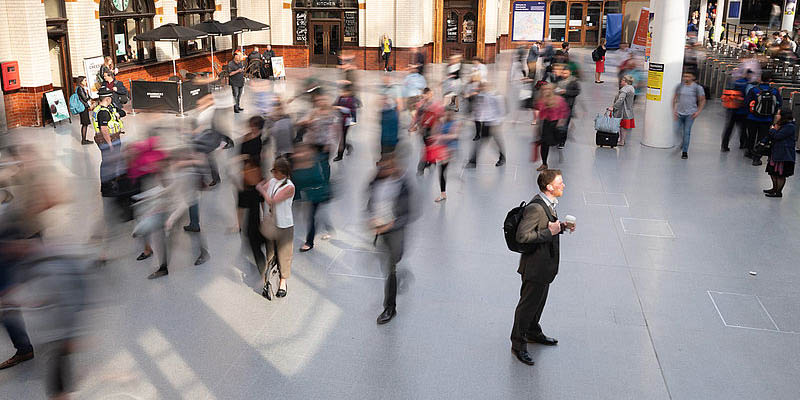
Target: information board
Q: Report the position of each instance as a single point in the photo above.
(528, 21)
(655, 81)
(301, 31)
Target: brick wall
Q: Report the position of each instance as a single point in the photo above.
(24, 106)
(490, 53)
(504, 42)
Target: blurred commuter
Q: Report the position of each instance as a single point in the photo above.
(249, 198)
(488, 110)
(568, 87)
(733, 100)
(425, 118)
(553, 113)
(687, 104)
(763, 102)
(389, 120)
(278, 194)
(281, 129)
(323, 129)
(347, 104)
(314, 187)
(447, 138)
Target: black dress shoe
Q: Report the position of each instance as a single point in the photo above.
(726, 149)
(16, 359)
(386, 315)
(162, 271)
(213, 183)
(773, 194)
(769, 190)
(204, 256)
(86, 142)
(337, 158)
(523, 356)
(144, 256)
(500, 162)
(189, 228)
(757, 162)
(542, 339)
(281, 292)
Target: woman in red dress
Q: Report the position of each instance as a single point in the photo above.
(600, 64)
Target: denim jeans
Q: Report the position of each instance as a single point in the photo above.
(237, 94)
(684, 128)
(15, 326)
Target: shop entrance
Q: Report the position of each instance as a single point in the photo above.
(460, 28)
(60, 68)
(579, 22)
(325, 42)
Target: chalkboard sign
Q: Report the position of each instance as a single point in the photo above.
(350, 26)
(301, 33)
(325, 3)
(452, 29)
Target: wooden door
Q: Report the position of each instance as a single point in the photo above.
(576, 21)
(326, 43)
(460, 32)
(591, 30)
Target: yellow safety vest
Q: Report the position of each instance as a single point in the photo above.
(114, 126)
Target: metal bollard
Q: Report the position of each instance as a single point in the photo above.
(130, 85)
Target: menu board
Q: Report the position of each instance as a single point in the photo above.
(301, 32)
(325, 3)
(350, 26)
(452, 28)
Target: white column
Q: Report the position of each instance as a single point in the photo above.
(788, 16)
(667, 49)
(701, 24)
(718, 20)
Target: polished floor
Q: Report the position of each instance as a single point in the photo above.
(654, 300)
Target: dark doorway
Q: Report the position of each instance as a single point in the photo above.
(460, 28)
(326, 43)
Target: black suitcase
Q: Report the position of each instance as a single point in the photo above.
(607, 139)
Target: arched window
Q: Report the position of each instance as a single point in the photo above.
(120, 22)
(191, 12)
(469, 28)
(557, 21)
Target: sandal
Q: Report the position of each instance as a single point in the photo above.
(305, 248)
(144, 256)
(440, 199)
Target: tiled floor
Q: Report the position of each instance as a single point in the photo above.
(649, 288)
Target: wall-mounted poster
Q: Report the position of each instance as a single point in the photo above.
(91, 66)
(528, 21)
(640, 36)
(119, 40)
(58, 107)
(790, 7)
(301, 32)
(350, 26)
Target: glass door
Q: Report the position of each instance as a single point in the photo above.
(326, 42)
(318, 42)
(592, 26)
(575, 22)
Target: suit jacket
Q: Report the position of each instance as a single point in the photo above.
(541, 264)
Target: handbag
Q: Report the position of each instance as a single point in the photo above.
(606, 123)
(251, 174)
(764, 147)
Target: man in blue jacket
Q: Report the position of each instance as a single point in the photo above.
(762, 108)
(738, 116)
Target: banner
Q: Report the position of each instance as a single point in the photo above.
(57, 105)
(191, 94)
(527, 23)
(91, 66)
(649, 38)
(613, 30)
(790, 8)
(655, 81)
(158, 96)
(278, 70)
(639, 42)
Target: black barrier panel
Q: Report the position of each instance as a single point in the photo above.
(159, 96)
(191, 94)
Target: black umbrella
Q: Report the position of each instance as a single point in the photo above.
(247, 25)
(216, 28)
(170, 33)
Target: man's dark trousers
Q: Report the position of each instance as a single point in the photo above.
(393, 242)
(532, 297)
(237, 95)
(735, 120)
(15, 325)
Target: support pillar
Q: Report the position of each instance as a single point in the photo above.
(718, 20)
(701, 24)
(667, 49)
(789, 9)
(481, 30)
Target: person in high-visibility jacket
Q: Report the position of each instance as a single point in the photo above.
(107, 127)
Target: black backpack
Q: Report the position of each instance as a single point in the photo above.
(595, 55)
(766, 103)
(511, 224)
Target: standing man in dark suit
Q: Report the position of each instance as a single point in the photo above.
(236, 79)
(539, 228)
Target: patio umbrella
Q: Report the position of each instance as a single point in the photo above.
(215, 28)
(170, 33)
(246, 25)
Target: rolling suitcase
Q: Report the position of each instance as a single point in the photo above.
(607, 139)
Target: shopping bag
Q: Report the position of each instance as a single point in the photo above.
(606, 123)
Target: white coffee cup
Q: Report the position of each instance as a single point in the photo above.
(570, 221)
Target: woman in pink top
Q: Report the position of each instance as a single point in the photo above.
(553, 113)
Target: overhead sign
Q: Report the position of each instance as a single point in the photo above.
(528, 21)
(655, 81)
(639, 42)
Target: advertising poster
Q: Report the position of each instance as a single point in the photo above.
(119, 41)
(91, 66)
(58, 107)
(278, 71)
(642, 29)
(790, 8)
(649, 38)
(655, 81)
(528, 21)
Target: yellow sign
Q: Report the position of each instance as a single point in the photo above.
(655, 81)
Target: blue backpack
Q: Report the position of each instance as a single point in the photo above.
(75, 104)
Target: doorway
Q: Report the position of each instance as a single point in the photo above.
(575, 23)
(460, 28)
(326, 43)
(60, 68)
